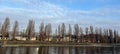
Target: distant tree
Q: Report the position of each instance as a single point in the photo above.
(41, 31)
(107, 32)
(5, 28)
(97, 36)
(100, 33)
(81, 31)
(76, 31)
(15, 30)
(96, 31)
(115, 36)
(48, 30)
(63, 30)
(111, 35)
(70, 32)
(81, 34)
(56, 32)
(106, 36)
(30, 31)
(91, 29)
(59, 32)
(23, 33)
(86, 31)
(92, 35)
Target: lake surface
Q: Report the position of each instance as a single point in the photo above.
(60, 50)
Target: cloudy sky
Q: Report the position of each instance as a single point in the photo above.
(99, 13)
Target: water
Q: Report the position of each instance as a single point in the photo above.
(60, 50)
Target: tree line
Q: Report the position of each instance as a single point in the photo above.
(75, 33)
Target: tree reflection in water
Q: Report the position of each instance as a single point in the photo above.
(59, 50)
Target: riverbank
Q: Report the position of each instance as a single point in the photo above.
(55, 44)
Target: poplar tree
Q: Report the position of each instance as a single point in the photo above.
(97, 36)
(63, 30)
(48, 30)
(91, 29)
(5, 28)
(15, 30)
(86, 31)
(115, 36)
(70, 32)
(76, 31)
(59, 33)
(41, 31)
(81, 34)
(111, 35)
(30, 31)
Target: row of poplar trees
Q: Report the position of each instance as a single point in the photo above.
(28, 33)
(45, 31)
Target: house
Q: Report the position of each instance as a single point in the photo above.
(66, 38)
(20, 38)
(50, 38)
(5, 37)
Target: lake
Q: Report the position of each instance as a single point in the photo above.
(60, 50)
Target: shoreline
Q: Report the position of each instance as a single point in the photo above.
(55, 44)
(60, 45)
(52, 45)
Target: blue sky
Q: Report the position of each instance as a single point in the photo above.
(99, 13)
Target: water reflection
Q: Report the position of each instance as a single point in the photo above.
(59, 50)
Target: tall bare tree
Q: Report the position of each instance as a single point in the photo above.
(48, 30)
(15, 30)
(76, 31)
(105, 37)
(5, 28)
(81, 34)
(30, 31)
(92, 35)
(91, 29)
(111, 35)
(81, 31)
(86, 31)
(100, 32)
(59, 32)
(96, 30)
(70, 32)
(63, 30)
(41, 31)
(115, 36)
(97, 35)
(56, 32)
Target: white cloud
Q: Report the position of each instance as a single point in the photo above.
(55, 14)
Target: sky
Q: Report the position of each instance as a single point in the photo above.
(97, 13)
